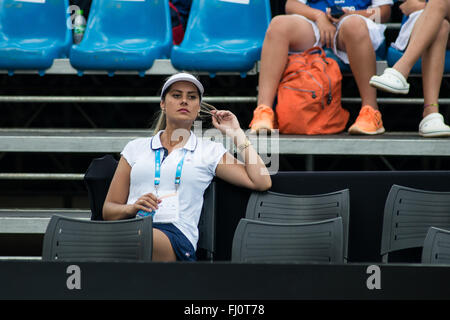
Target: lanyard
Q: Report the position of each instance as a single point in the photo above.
(158, 170)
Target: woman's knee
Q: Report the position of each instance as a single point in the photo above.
(295, 31)
(279, 26)
(442, 6)
(439, 8)
(289, 27)
(354, 28)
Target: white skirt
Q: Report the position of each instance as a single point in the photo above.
(376, 32)
(405, 31)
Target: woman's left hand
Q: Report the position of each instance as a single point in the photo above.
(224, 121)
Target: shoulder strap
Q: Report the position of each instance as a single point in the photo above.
(314, 49)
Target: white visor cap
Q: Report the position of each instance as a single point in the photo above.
(182, 77)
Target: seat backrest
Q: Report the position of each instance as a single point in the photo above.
(128, 20)
(68, 239)
(313, 242)
(38, 20)
(227, 19)
(99, 175)
(436, 247)
(408, 214)
(207, 222)
(289, 208)
(97, 180)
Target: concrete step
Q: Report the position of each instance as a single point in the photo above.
(113, 141)
(34, 221)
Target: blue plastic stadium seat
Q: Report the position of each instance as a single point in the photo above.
(124, 35)
(33, 34)
(380, 55)
(394, 54)
(223, 35)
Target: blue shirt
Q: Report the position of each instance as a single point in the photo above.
(351, 4)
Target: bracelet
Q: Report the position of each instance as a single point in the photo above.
(244, 145)
(431, 105)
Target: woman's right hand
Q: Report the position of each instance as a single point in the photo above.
(327, 30)
(147, 202)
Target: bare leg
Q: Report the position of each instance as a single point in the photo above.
(433, 60)
(424, 34)
(354, 39)
(162, 248)
(285, 32)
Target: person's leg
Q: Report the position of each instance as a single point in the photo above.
(424, 34)
(285, 33)
(354, 38)
(162, 248)
(433, 61)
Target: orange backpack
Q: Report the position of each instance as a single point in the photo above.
(309, 95)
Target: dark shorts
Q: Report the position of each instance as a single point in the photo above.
(181, 245)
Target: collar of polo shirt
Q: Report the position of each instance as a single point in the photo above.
(190, 145)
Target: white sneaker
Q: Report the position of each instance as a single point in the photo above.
(391, 81)
(433, 126)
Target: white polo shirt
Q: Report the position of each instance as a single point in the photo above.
(199, 169)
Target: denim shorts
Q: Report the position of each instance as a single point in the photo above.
(181, 245)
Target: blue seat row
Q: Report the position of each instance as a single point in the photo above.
(124, 35)
(32, 34)
(221, 35)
